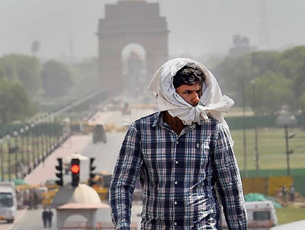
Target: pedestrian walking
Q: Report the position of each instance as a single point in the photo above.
(49, 218)
(35, 199)
(30, 200)
(44, 217)
(292, 193)
(284, 193)
(183, 155)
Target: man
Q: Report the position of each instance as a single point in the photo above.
(50, 216)
(292, 193)
(181, 154)
(284, 193)
(44, 217)
(35, 198)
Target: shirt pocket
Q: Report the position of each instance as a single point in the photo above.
(202, 152)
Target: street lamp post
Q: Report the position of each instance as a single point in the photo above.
(255, 131)
(286, 120)
(22, 147)
(26, 132)
(48, 137)
(33, 146)
(287, 150)
(43, 138)
(9, 156)
(40, 141)
(56, 133)
(2, 158)
(244, 131)
(16, 153)
(37, 143)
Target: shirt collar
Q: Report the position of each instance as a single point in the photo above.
(158, 118)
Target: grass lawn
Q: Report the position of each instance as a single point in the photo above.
(290, 214)
(272, 155)
(271, 148)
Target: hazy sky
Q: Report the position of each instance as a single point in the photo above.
(198, 27)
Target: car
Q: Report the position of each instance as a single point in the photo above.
(99, 134)
(261, 216)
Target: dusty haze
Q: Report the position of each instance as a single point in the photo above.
(67, 28)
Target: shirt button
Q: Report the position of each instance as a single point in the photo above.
(175, 223)
(175, 202)
(177, 142)
(177, 162)
(176, 182)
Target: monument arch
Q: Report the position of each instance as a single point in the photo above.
(130, 22)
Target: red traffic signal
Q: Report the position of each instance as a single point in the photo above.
(75, 168)
(75, 171)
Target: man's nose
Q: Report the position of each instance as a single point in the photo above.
(195, 98)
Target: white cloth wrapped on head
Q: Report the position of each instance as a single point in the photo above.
(212, 102)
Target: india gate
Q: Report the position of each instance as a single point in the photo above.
(130, 22)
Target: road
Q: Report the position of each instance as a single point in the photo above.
(32, 219)
(105, 157)
(19, 216)
(105, 154)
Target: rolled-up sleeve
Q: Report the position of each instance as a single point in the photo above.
(229, 182)
(123, 180)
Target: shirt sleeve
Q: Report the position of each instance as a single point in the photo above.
(229, 183)
(124, 178)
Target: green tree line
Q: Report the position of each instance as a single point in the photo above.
(26, 82)
(270, 80)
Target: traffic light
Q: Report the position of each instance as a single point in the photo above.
(75, 169)
(91, 181)
(59, 174)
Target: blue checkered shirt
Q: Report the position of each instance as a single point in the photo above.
(178, 174)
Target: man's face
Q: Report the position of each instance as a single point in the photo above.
(190, 93)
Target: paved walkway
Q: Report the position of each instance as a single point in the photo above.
(298, 225)
(19, 215)
(46, 170)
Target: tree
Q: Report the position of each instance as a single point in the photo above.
(302, 103)
(15, 103)
(275, 73)
(24, 69)
(232, 72)
(293, 67)
(85, 76)
(56, 79)
(272, 91)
